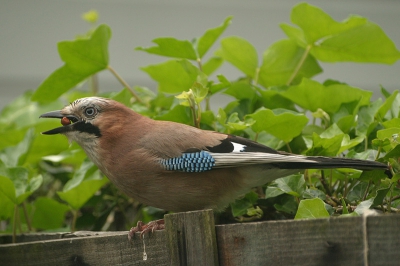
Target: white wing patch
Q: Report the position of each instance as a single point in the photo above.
(238, 147)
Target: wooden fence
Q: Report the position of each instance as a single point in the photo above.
(191, 238)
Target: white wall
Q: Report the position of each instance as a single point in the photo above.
(30, 29)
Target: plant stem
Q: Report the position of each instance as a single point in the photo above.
(324, 184)
(125, 84)
(299, 64)
(288, 147)
(14, 235)
(74, 217)
(28, 221)
(366, 191)
(94, 82)
(200, 64)
(257, 74)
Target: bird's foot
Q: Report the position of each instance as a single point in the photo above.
(145, 228)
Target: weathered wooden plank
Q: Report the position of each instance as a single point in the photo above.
(335, 241)
(383, 233)
(191, 238)
(108, 249)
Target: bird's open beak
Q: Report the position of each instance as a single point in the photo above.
(65, 121)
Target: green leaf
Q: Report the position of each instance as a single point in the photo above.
(357, 192)
(195, 95)
(49, 214)
(364, 205)
(240, 53)
(234, 124)
(295, 34)
(286, 203)
(83, 58)
(325, 146)
(273, 99)
(178, 114)
(16, 155)
(387, 105)
(223, 83)
(241, 90)
(284, 126)
(210, 36)
(212, 65)
(7, 197)
(312, 95)
(7, 189)
(22, 112)
(311, 193)
(311, 208)
(86, 181)
(373, 175)
(355, 39)
(380, 196)
(171, 47)
(395, 122)
(366, 118)
(280, 61)
(293, 185)
(240, 206)
(79, 195)
(272, 192)
(87, 169)
(173, 76)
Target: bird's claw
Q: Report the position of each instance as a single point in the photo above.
(146, 228)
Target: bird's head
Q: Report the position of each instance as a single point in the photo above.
(81, 118)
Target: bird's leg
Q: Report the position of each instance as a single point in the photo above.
(145, 228)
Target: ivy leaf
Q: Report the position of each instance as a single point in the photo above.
(325, 146)
(7, 189)
(358, 191)
(312, 95)
(7, 197)
(363, 206)
(212, 65)
(284, 126)
(380, 196)
(280, 61)
(210, 36)
(179, 114)
(386, 105)
(240, 53)
(311, 209)
(311, 193)
(16, 155)
(240, 206)
(356, 39)
(173, 76)
(85, 182)
(83, 58)
(43, 218)
(366, 118)
(171, 47)
(293, 185)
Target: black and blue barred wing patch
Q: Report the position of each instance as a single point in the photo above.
(198, 161)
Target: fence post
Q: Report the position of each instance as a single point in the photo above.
(191, 238)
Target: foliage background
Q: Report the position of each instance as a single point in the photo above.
(333, 118)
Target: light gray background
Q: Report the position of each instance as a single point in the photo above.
(30, 30)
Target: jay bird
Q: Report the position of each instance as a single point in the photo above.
(174, 166)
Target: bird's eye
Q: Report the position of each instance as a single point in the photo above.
(90, 111)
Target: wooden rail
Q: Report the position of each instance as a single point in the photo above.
(191, 238)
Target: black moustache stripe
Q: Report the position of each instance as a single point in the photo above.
(87, 128)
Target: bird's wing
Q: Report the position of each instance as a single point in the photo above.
(236, 151)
